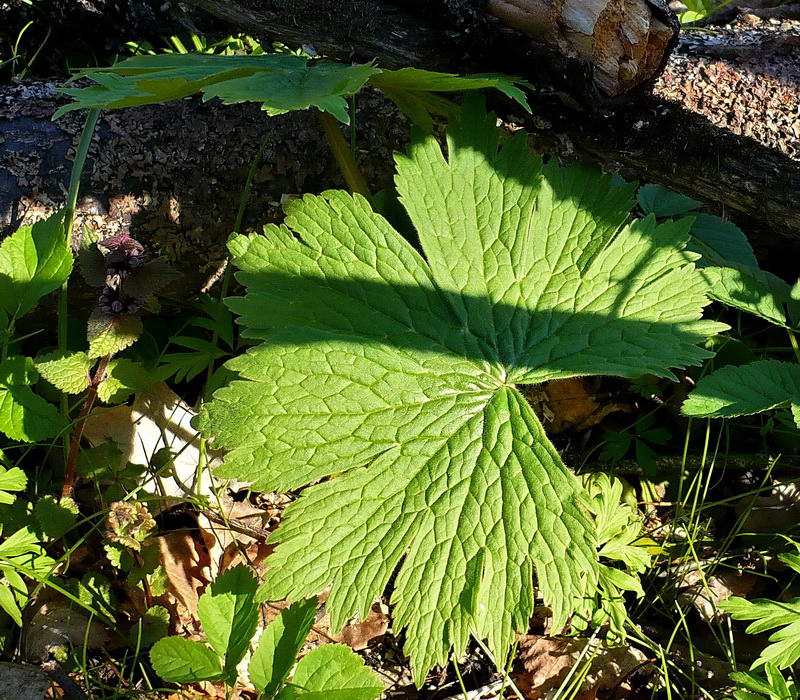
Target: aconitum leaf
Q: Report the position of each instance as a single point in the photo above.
(279, 82)
(394, 374)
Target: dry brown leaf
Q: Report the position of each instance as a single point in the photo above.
(184, 556)
(253, 555)
(706, 595)
(544, 662)
(358, 634)
(574, 406)
(777, 511)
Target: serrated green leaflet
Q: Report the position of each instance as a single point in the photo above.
(373, 355)
(332, 672)
(24, 415)
(658, 200)
(279, 646)
(108, 335)
(721, 242)
(229, 615)
(34, 261)
(740, 391)
(749, 289)
(123, 377)
(12, 479)
(784, 649)
(67, 371)
(280, 82)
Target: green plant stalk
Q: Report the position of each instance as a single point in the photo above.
(237, 228)
(77, 431)
(343, 154)
(69, 220)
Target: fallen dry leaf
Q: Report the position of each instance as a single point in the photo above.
(544, 662)
(706, 596)
(184, 556)
(573, 406)
(358, 634)
(157, 419)
(776, 511)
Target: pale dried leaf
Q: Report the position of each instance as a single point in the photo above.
(184, 556)
(544, 662)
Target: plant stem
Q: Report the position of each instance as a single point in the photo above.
(237, 228)
(77, 430)
(344, 156)
(69, 221)
(795, 345)
(69, 213)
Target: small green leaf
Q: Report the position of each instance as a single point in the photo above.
(784, 647)
(740, 391)
(109, 335)
(332, 672)
(658, 200)
(66, 371)
(749, 289)
(24, 415)
(150, 627)
(720, 242)
(279, 646)
(34, 261)
(12, 479)
(179, 660)
(123, 378)
(9, 603)
(229, 614)
(95, 592)
(99, 463)
(55, 518)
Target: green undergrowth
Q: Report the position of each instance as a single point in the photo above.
(376, 379)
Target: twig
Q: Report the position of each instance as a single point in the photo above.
(77, 431)
(58, 676)
(237, 525)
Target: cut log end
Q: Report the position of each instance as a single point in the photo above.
(624, 41)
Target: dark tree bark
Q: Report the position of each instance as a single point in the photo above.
(591, 49)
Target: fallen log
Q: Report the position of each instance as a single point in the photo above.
(591, 49)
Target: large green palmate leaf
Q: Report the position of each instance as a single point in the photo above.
(394, 373)
(280, 82)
